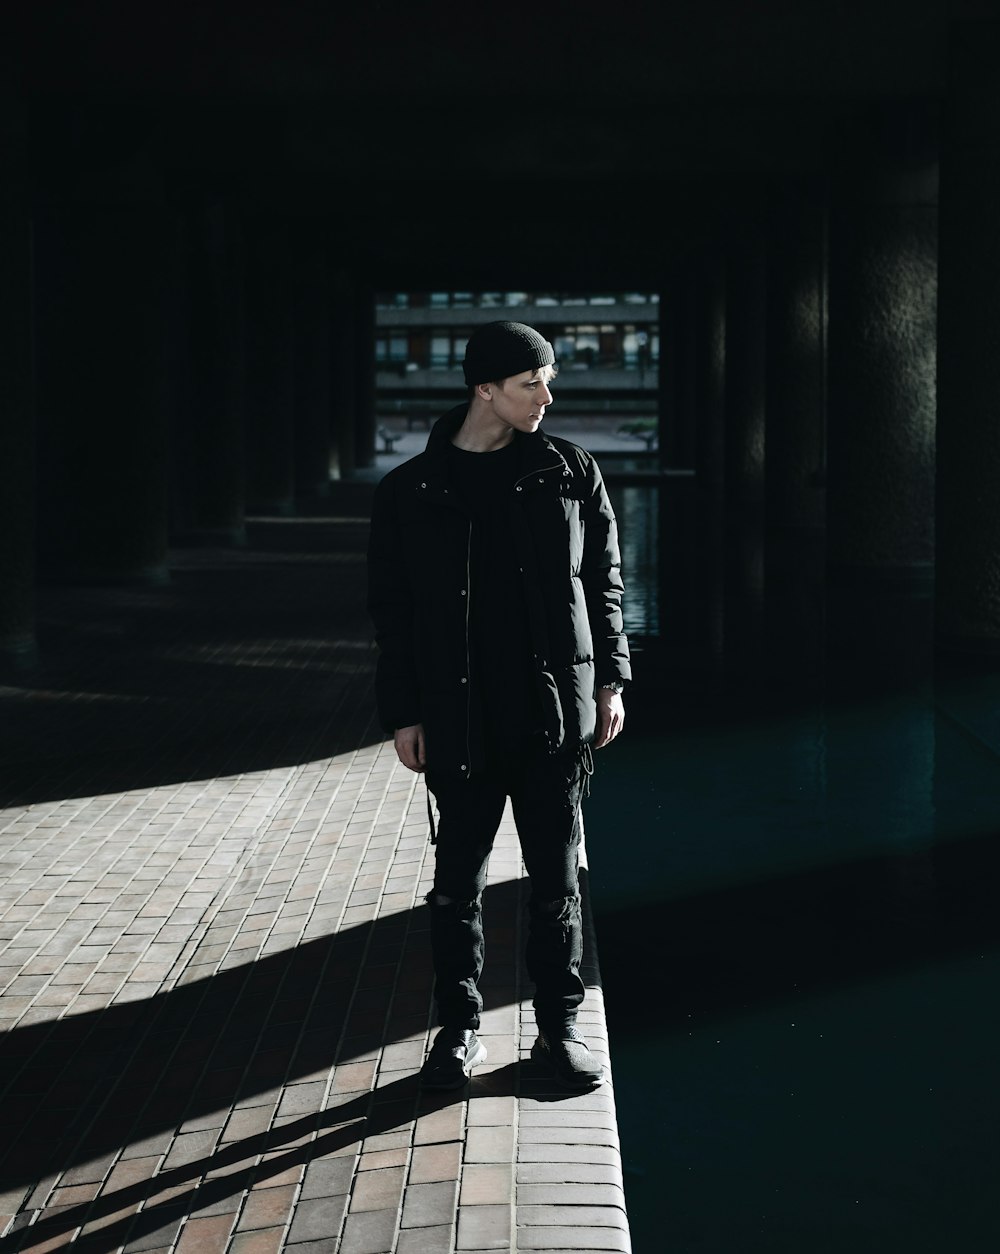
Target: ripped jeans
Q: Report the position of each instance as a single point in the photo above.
(545, 791)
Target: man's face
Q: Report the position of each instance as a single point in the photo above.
(522, 399)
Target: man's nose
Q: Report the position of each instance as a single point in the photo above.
(548, 395)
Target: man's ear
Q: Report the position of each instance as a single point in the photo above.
(484, 391)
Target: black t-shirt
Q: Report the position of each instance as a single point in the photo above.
(501, 661)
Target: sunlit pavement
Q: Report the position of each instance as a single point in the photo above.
(216, 986)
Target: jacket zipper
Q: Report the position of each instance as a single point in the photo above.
(468, 616)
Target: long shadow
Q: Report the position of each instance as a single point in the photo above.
(234, 1166)
(78, 1088)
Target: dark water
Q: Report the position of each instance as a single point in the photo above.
(637, 512)
(799, 940)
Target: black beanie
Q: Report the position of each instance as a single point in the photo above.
(500, 349)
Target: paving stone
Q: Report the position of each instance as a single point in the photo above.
(489, 1145)
(402, 1056)
(570, 1115)
(328, 1245)
(263, 1241)
(548, 1134)
(492, 1112)
(205, 1236)
(568, 1173)
(222, 1199)
(486, 1184)
(399, 1139)
(318, 1218)
(299, 1099)
(427, 1205)
(246, 1123)
(437, 1240)
(569, 1195)
(377, 1190)
(353, 1077)
(267, 1207)
(93, 1170)
(52, 1244)
(11, 1200)
(440, 1125)
(578, 1153)
(377, 1159)
(484, 1228)
(369, 1232)
(328, 1176)
(73, 1195)
(167, 1225)
(431, 1163)
(571, 1216)
(612, 1240)
(191, 1147)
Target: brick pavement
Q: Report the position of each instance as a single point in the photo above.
(214, 969)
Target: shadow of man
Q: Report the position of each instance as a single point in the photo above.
(80, 1088)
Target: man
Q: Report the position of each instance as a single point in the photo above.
(495, 591)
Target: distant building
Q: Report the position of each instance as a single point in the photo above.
(608, 343)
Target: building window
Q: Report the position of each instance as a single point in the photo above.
(440, 352)
(586, 347)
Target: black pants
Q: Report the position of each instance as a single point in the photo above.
(545, 791)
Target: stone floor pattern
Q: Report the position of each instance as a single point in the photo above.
(216, 994)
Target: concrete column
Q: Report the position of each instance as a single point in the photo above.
(882, 405)
(17, 410)
(968, 444)
(103, 248)
(795, 404)
(270, 429)
(744, 454)
(313, 421)
(208, 393)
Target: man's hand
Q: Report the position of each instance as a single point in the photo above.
(409, 742)
(610, 716)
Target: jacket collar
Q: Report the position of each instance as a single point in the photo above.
(535, 451)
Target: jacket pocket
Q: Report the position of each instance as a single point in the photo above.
(569, 703)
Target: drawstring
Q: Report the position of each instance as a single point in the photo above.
(587, 761)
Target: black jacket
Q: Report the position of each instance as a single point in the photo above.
(419, 595)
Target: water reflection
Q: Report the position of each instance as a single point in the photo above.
(637, 508)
